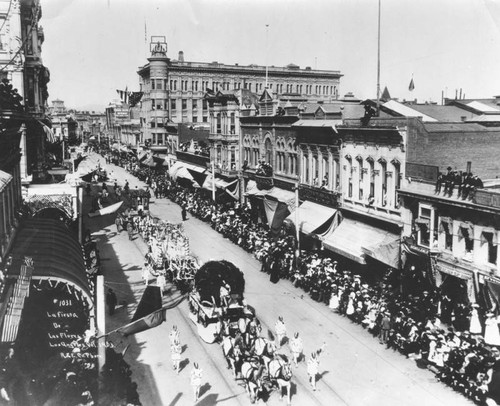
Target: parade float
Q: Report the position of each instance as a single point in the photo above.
(216, 301)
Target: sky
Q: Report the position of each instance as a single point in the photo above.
(93, 47)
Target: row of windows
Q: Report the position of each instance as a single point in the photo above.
(458, 237)
(358, 173)
(224, 124)
(319, 171)
(193, 85)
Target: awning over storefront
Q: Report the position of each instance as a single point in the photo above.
(275, 193)
(5, 178)
(356, 240)
(208, 184)
(142, 156)
(311, 216)
(188, 171)
(56, 254)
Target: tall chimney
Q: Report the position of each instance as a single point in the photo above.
(460, 94)
(181, 56)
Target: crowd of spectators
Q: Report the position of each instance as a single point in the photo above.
(418, 326)
(465, 182)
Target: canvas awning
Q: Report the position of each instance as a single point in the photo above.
(356, 240)
(311, 216)
(5, 178)
(275, 193)
(56, 253)
(186, 171)
(142, 156)
(219, 183)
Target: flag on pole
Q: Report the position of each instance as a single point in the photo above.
(107, 210)
(145, 323)
(412, 85)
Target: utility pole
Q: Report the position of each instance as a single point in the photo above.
(213, 181)
(378, 62)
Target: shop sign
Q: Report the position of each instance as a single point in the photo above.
(69, 344)
(454, 271)
(315, 195)
(418, 250)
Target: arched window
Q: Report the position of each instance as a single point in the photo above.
(383, 177)
(397, 179)
(325, 182)
(268, 146)
(349, 175)
(336, 166)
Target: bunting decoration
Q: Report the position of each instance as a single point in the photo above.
(107, 210)
(135, 98)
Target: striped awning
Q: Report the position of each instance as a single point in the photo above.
(16, 296)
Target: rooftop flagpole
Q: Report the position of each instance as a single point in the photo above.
(378, 62)
(267, 51)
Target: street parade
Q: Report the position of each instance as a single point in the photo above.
(249, 203)
(444, 337)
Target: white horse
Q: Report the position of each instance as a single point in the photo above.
(265, 350)
(280, 373)
(251, 372)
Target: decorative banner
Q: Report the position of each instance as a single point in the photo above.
(107, 210)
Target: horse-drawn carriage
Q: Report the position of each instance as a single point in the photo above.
(216, 301)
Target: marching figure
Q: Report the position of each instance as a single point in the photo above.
(174, 335)
(296, 347)
(196, 375)
(313, 369)
(280, 329)
(176, 349)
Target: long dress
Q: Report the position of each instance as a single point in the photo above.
(475, 324)
(491, 332)
(334, 301)
(350, 307)
(275, 272)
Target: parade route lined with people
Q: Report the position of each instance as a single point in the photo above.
(352, 359)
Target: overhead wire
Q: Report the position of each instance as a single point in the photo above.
(28, 36)
(6, 15)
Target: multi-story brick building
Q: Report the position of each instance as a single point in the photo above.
(175, 89)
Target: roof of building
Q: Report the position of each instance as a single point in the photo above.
(406, 111)
(455, 127)
(478, 106)
(443, 113)
(483, 107)
(486, 118)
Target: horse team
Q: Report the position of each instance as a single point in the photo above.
(254, 360)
